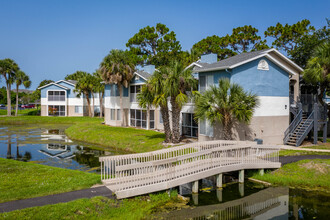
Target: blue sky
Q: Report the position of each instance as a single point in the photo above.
(50, 39)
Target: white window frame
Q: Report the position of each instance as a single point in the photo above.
(56, 91)
(80, 109)
(189, 126)
(65, 109)
(112, 114)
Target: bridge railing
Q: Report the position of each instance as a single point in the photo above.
(135, 170)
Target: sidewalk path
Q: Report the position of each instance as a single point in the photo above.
(288, 147)
(290, 159)
(57, 198)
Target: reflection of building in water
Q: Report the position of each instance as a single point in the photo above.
(54, 135)
(60, 151)
(265, 204)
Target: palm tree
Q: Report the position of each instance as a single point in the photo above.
(178, 84)
(317, 71)
(226, 104)
(21, 78)
(146, 98)
(157, 83)
(84, 87)
(8, 68)
(99, 88)
(118, 68)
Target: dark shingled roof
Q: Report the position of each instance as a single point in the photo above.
(144, 74)
(72, 81)
(227, 63)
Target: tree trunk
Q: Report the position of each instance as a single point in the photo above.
(121, 105)
(166, 123)
(148, 117)
(16, 100)
(89, 104)
(227, 129)
(101, 104)
(8, 99)
(175, 121)
(93, 110)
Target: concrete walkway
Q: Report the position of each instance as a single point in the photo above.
(57, 198)
(288, 147)
(292, 159)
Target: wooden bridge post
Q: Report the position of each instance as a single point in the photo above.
(241, 176)
(219, 180)
(316, 120)
(194, 188)
(261, 172)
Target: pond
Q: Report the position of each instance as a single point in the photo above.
(48, 145)
(253, 201)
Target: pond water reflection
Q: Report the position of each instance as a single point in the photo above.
(48, 145)
(254, 201)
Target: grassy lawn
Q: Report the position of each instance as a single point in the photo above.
(31, 111)
(142, 207)
(91, 130)
(20, 180)
(308, 174)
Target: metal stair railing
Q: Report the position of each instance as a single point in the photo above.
(305, 129)
(292, 127)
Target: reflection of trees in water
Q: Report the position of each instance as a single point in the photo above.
(26, 157)
(308, 205)
(88, 157)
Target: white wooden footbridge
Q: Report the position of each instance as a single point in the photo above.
(137, 174)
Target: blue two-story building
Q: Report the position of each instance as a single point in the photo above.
(268, 74)
(59, 99)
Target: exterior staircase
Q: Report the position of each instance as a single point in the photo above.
(299, 129)
(307, 116)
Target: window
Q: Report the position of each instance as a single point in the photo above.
(56, 110)
(205, 128)
(118, 115)
(112, 114)
(134, 90)
(113, 90)
(78, 109)
(160, 118)
(189, 126)
(152, 119)
(56, 95)
(138, 118)
(202, 83)
(137, 78)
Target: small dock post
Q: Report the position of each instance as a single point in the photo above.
(194, 187)
(261, 172)
(241, 176)
(219, 180)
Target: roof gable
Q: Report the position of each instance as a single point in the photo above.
(54, 84)
(240, 59)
